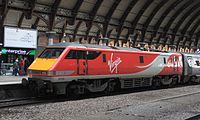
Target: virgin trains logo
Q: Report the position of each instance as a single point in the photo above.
(113, 64)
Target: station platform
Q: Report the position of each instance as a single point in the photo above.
(9, 80)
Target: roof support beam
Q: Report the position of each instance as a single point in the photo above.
(64, 27)
(187, 26)
(194, 28)
(3, 12)
(63, 31)
(75, 11)
(108, 17)
(196, 40)
(31, 5)
(140, 13)
(127, 35)
(165, 13)
(92, 14)
(159, 38)
(76, 30)
(124, 16)
(182, 19)
(177, 13)
(89, 40)
(53, 14)
(34, 26)
(190, 42)
(192, 32)
(151, 16)
(97, 37)
(135, 39)
(20, 20)
(67, 15)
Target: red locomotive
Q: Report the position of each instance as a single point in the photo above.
(75, 68)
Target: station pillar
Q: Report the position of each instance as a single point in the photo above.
(50, 36)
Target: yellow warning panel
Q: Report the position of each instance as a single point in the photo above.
(42, 64)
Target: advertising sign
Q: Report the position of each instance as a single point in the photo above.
(18, 52)
(20, 38)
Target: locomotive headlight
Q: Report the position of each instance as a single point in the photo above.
(51, 73)
(43, 72)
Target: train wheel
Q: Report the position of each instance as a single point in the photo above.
(195, 80)
(198, 80)
(71, 91)
(33, 88)
(166, 81)
(174, 81)
(185, 79)
(112, 87)
(156, 83)
(75, 90)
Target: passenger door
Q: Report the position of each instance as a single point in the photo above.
(82, 68)
(93, 63)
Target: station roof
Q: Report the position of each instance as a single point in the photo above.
(154, 21)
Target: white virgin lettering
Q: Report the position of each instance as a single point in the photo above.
(113, 64)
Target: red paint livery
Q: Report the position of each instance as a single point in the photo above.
(89, 64)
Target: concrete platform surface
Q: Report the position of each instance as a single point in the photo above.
(8, 79)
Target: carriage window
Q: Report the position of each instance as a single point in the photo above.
(51, 53)
(104, 57)
(164, 59)
(141, 59)
(197, 63)
(189, 60)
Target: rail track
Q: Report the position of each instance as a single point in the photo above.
(17, 102)
(28, 100)
(196, 117)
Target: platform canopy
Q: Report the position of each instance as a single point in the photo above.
(172, 22)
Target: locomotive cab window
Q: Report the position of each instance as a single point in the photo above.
(79, 54)
(71, 54)
(51, 53)
(76, 54)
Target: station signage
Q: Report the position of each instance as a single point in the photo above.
(17, 52)
(20, 38)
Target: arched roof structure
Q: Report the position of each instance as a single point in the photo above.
(174, 22)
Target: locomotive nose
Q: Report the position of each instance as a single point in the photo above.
(42, 64)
